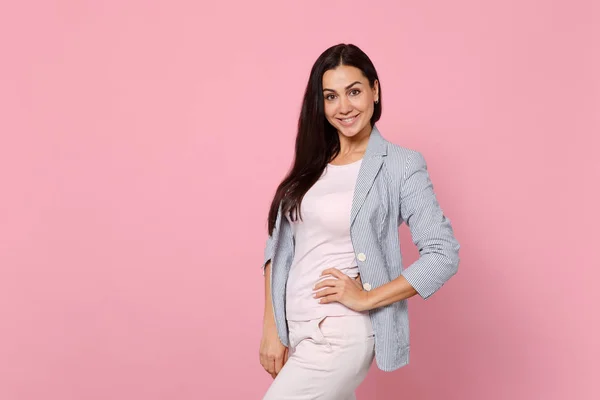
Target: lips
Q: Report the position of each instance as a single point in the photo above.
(348, 121)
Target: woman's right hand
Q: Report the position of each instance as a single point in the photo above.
(273, 354)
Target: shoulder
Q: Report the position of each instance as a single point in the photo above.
(400, 159)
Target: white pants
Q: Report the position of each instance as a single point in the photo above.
(328, 359)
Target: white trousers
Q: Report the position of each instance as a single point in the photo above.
(328, 359)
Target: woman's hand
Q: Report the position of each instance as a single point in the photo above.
(344, 290)
(273, 354)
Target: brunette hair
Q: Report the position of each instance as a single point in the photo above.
(317, 141)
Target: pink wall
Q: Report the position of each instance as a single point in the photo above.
(141, 144)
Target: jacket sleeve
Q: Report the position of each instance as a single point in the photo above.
(269, 248)
(430, 229)
(270, 244)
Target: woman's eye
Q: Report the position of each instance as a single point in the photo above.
(329, 97)
(354, 92)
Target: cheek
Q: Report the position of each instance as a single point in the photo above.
(365, 106)
(329, 110)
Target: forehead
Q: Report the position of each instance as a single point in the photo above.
(342, 76)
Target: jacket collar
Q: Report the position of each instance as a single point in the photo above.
(377, 145)
(373, 159)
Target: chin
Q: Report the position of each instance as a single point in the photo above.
(349, 132)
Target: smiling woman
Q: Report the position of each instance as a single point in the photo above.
(335, 287)
(348, 108)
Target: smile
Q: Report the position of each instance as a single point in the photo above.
(348, 121)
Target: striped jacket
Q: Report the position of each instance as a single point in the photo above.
(393, 186)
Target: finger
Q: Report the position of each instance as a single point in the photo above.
(335, 272)
(329, 299)
(286, 356)
(325, 292)
(326, 283)
(271, 370)
(264, 361)
(278, 363)
(271, 366)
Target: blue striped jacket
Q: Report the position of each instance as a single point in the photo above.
(393, 186)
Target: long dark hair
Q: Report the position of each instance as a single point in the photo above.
(317, 141)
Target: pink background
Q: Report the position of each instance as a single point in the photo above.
(142, 142)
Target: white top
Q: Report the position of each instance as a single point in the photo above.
(322, 240)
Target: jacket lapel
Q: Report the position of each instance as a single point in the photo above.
(372, 161)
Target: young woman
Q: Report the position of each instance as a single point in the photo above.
(336, 291)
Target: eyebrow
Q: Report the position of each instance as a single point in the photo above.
(347, 87)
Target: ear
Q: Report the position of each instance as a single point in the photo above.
(376, 90)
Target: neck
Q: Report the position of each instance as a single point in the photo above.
(355, 144)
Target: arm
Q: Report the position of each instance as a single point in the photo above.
(273, 354)
(268, 316)
(431, 233)
(268, 254)
(430, 229)
(270, 244)
(393, 291)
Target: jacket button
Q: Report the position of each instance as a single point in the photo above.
(367, 286)
(361, 257)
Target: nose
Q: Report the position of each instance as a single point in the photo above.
(345, 105)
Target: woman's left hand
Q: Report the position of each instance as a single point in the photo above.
(344, 290)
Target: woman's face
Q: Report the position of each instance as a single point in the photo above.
(349, 100)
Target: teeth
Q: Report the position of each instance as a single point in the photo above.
(348, 119)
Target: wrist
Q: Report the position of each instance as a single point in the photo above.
(368, 301)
